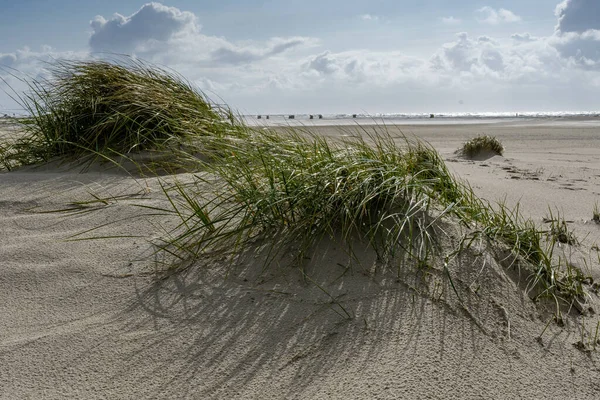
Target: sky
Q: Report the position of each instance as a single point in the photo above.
(328, 56)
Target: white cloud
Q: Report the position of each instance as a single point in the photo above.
(581, 49)
(451, 20)
(468, 61)
(27, 64)
(523, 37)
(369, 17)
(577, 35)
(231, 54)
(153, 21)
(169, 35)
(364, 67)
(489, 15)
(485, 39)
(294, 73)
(578, 15)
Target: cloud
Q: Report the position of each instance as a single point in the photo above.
(153, 21)
(31, 62)
(457, 56)
(8, 59)
(580, 49)
(451, 20)
(369, 17)
(578, 15)
(170, 36)
(523, 37)
(467, 61)
(489, 15)
(231, 54)
(362, 67)
(577, 35)
(26, 64)
(324, 63)
(485, 39)
(297, 73)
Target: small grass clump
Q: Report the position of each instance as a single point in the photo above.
(482, 146)
(106, 109)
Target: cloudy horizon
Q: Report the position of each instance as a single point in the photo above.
(307, 57)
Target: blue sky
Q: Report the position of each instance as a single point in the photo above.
(332, 56)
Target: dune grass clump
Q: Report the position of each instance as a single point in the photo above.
(291, 190)
(106, 109)
(288, 191)
(283, 190)
(482, 146)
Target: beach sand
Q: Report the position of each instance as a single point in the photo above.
(89, 319)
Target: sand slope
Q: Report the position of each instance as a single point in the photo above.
(89, 319)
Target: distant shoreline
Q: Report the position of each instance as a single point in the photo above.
(302, 120)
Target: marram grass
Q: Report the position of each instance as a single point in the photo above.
(286, 190)
(290, 190)
(108, 109)
(482, 145)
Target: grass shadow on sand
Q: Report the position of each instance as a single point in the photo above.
(278, 327)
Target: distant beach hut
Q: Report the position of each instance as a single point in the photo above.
(292, 117)
(311, 116)
(320, 116)
(353, 115)
(431, 116)
(267, 117)
(259, 117)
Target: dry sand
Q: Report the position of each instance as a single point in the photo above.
(88, 319)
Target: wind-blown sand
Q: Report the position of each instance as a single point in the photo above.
(89, 319)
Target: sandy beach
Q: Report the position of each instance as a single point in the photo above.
(90, 319)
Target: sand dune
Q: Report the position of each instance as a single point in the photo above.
(92, 319)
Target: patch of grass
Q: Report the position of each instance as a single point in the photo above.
(559, 231)
(482, 145)
(550, 275)
(290, 190)
(107, 109)
(279, 191)
(596, 214)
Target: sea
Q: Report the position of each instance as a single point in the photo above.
(525, 117)
(550, 117)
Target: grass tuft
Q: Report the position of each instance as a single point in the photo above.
(596, 214)
(482, 146)
(108, 109)
(279, 191)
(288, 190)
(291, 190)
